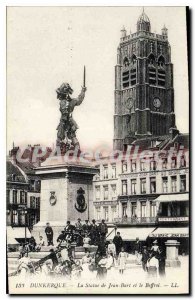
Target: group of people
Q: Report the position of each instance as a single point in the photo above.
(100, 262)
(82, 234)
(153, 260)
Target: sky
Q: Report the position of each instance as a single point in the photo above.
(50, 45)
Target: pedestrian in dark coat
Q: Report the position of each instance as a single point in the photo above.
(161, 258)
(86, 227)
(103, 230)
(94, 233)
(118, 243)
(49, 234)
(144, 259)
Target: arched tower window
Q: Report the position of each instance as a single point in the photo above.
(161, 71)
(133, 70)
(125, 73)
(152, 69)
(126, 62)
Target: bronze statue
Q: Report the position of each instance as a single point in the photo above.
(66, 135)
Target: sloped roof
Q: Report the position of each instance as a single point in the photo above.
(12, 169)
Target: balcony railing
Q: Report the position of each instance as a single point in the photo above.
(134, 220)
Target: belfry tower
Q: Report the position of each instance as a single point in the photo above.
(144, 94)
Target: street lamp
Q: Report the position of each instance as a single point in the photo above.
(24, 212)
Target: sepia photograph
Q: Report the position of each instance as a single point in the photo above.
(97, 150)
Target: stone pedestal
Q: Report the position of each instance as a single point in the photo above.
(66, 194)
(172, 247)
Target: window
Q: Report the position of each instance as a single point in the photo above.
(143, 209)
(23, 197)
(164, 163)
(125, 78)
(182, 162)
(173, 162)
(106, 213)
(22, 218)
(173, 183)
(124, 187)
(97, 193)
(152, 69)
(124, 209)
(8, 196)
(133, 186)
(165, 184)
(153, 211)
(105, 192)
(143, 185)
(161, 71)
(142, 166)
(133, 165)
(105, 175)
(124, 166)
(15, 217)
(113, 189)
(182, 183)
(38, 202)
(15, 196)
(133, 70)
(152, 165)
(98, 213)
(113, 170)
(126, 62)
(133, 209)
(32, 202)
(152, 185)
(113, 212)
(161, 77)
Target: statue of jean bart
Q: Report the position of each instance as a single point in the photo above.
(66, 135)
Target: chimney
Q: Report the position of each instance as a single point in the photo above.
(13, 153)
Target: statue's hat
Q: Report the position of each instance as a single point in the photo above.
(64, 89)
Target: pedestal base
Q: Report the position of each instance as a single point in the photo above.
(39, 229)
(173, 263)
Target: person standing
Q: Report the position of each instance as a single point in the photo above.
(79, 229)
(112, 249)
(161, 259)
(103, 230)
(86, 241)
(49, 234)
(118, 243)
(94, 233)
(122, 260)
(86, 227)
(144, 259)
(153, 266)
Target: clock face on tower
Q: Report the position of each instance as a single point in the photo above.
(129, 103)
(156, 102)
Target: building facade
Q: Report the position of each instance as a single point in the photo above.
(23, 192)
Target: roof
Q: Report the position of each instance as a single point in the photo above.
(161, 142)
(14, 173)
(143, 18)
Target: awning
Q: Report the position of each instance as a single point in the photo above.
(19, 232)
(131, 234)
(170, 232)
(173, 198)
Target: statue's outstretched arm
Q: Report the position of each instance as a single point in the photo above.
(81, 96)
